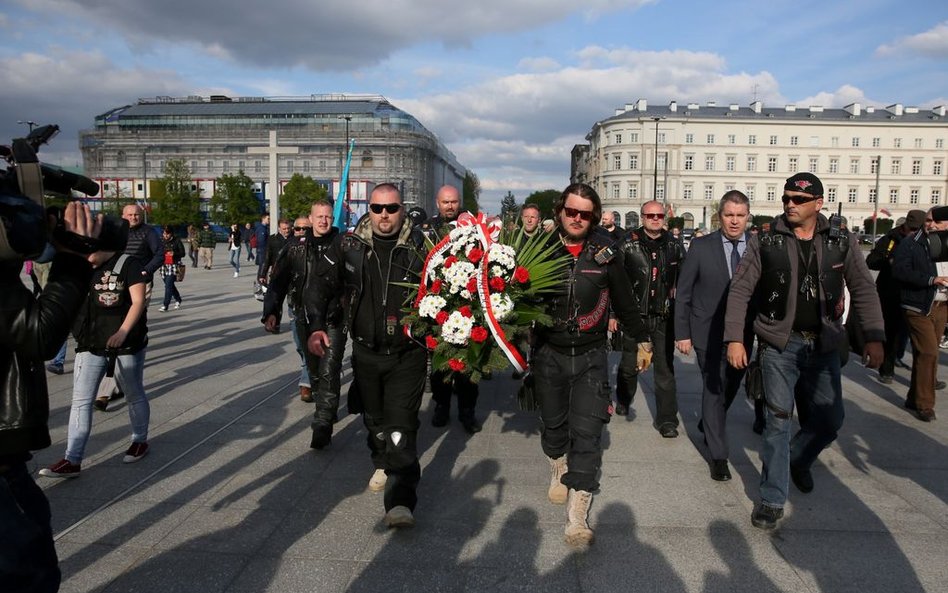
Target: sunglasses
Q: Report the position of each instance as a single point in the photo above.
(573, 213)
(654, 215)
(301, 228)
(798, 199)
(391, 208)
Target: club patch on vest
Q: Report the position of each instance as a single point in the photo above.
(590, 319)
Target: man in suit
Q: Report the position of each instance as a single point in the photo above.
(703, 286)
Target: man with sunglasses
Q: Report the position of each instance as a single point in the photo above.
(370, 268)
(652, 260)
(799, 269)
(448, 201)
(569, 365)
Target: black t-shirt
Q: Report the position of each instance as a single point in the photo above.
(807, 316)
(106, 307)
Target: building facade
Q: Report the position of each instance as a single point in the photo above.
(217, 135)
(688, 156)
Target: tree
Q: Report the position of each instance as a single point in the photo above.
(174, 199)
(115, 201)
(544, 201)
(508, 207)
(883, 225)
(234, 201)
(298, 195)
(470, 201)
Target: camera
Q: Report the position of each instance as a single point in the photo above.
(24, 231)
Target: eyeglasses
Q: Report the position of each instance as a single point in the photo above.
(799, 199)
(582, 214)
(391, 208)
(654, 215)
(301, 228)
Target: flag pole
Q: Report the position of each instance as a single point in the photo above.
(338, 220)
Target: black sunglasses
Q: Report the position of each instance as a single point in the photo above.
(391, 208)
(573, 213)
(301, 228)
(799, 199)
(654, 215)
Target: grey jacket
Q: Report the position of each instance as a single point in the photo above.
(864, 301)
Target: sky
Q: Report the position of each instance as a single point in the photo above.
(510, 86)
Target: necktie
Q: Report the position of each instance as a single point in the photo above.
(735, 256)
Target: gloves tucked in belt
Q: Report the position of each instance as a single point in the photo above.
(643, 358)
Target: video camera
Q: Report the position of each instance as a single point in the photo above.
(24, 232)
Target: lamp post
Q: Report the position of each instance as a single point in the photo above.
(875, 205)
(28, 122)
(655, 172)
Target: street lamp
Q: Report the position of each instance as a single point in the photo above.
(655, 173)
(28, 122)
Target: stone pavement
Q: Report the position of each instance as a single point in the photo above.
(231, 499)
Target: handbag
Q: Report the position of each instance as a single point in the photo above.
(179, 271)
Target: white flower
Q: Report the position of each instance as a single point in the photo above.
(503, 255)
(431, 305)
(502, 305)
(457, 276)
(457, 329)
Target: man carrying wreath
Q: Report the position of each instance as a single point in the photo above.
(569, 366)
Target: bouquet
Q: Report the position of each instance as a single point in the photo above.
(480, 292)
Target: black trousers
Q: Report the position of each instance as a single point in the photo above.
(391, 386)
(720, 383)
(662, 333)
(28, 560)
(573, 392)
(896, 331)
(324, 372)
(442, 385)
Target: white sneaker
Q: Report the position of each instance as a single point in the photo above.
(162, 308)
(177, 305)
(377, 481)
(236, 274)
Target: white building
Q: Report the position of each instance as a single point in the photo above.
(218, 135)
(688, 156)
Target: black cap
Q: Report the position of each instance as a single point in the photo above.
(807, 183)
(915, 219)
(417, 215)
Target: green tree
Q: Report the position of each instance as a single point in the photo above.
(173, 198)
(470, 201)
(508, 207)
(298, 195)
(234, 200)
(883, 225)
(544, 201)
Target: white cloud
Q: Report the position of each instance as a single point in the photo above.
(538, 64)
(932, 43)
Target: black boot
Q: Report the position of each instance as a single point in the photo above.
(468, 421)
(440, 417)
(322, 436)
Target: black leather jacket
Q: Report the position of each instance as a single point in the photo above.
(581, 310)
(300, 262)
(347, 275)
(653, 292)
(31, 331)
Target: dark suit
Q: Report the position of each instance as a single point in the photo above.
(703, 285)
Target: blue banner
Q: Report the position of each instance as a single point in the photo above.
(339, 220)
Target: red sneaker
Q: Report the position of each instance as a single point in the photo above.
(62, 469)
(135, 452)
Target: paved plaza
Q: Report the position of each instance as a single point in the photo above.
(231, 498)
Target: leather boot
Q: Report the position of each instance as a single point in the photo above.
(558, 491)
(578, 533)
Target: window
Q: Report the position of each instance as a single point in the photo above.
(687, 192)
(876, 142)
(853, 193)
(289, 166)
(617, 163)
(256, 166)
(916, 166)
(634, 138)
(709, 162)
(834, 141)
(913, 197)
(773, 141)
(618, 138)
(307, 165)
(661, 138)
(689, 162)
(634, 161)
(729, 163)
(615, 191)
(194, 165)
(710, 138)
(814, 164)
(660, 192)
(873, 166)
(894, 196)
(633, 191)
(854, 166)
(241, 165)
(689, 138)
(751, 163)
(794, 140)
(936, 196)
(771, 164)
(872, 195)
(855, 142)
(936, 167)
(897, 143)
(141, 187)
(792, 164)
(751, 191)
(896, 166)
(831, 195)
(210, 165)
(771, 193)
(939, 143)
(918, 143)
(709, 192)
(731, 139)
(752, 139)
(662, 160)
(834, 166)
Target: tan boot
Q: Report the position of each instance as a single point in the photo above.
(578, 533)
(558, 491)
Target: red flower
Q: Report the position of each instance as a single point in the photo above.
(521, 275)
(478, 334)
(456, 364)
(450, 261)
(497, 284)
(435, 287)
(430, 342)
(466, 311)
(472, 285)
(441, 317)
(475, 255)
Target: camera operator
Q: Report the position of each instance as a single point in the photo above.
(31, 330)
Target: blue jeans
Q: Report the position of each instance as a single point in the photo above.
(235, 258)
(60, 357)
(171, 290)
(27, 555)
(89, 371)
(801, 367)
(300, 345)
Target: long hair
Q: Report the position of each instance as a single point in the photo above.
(584, 191)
